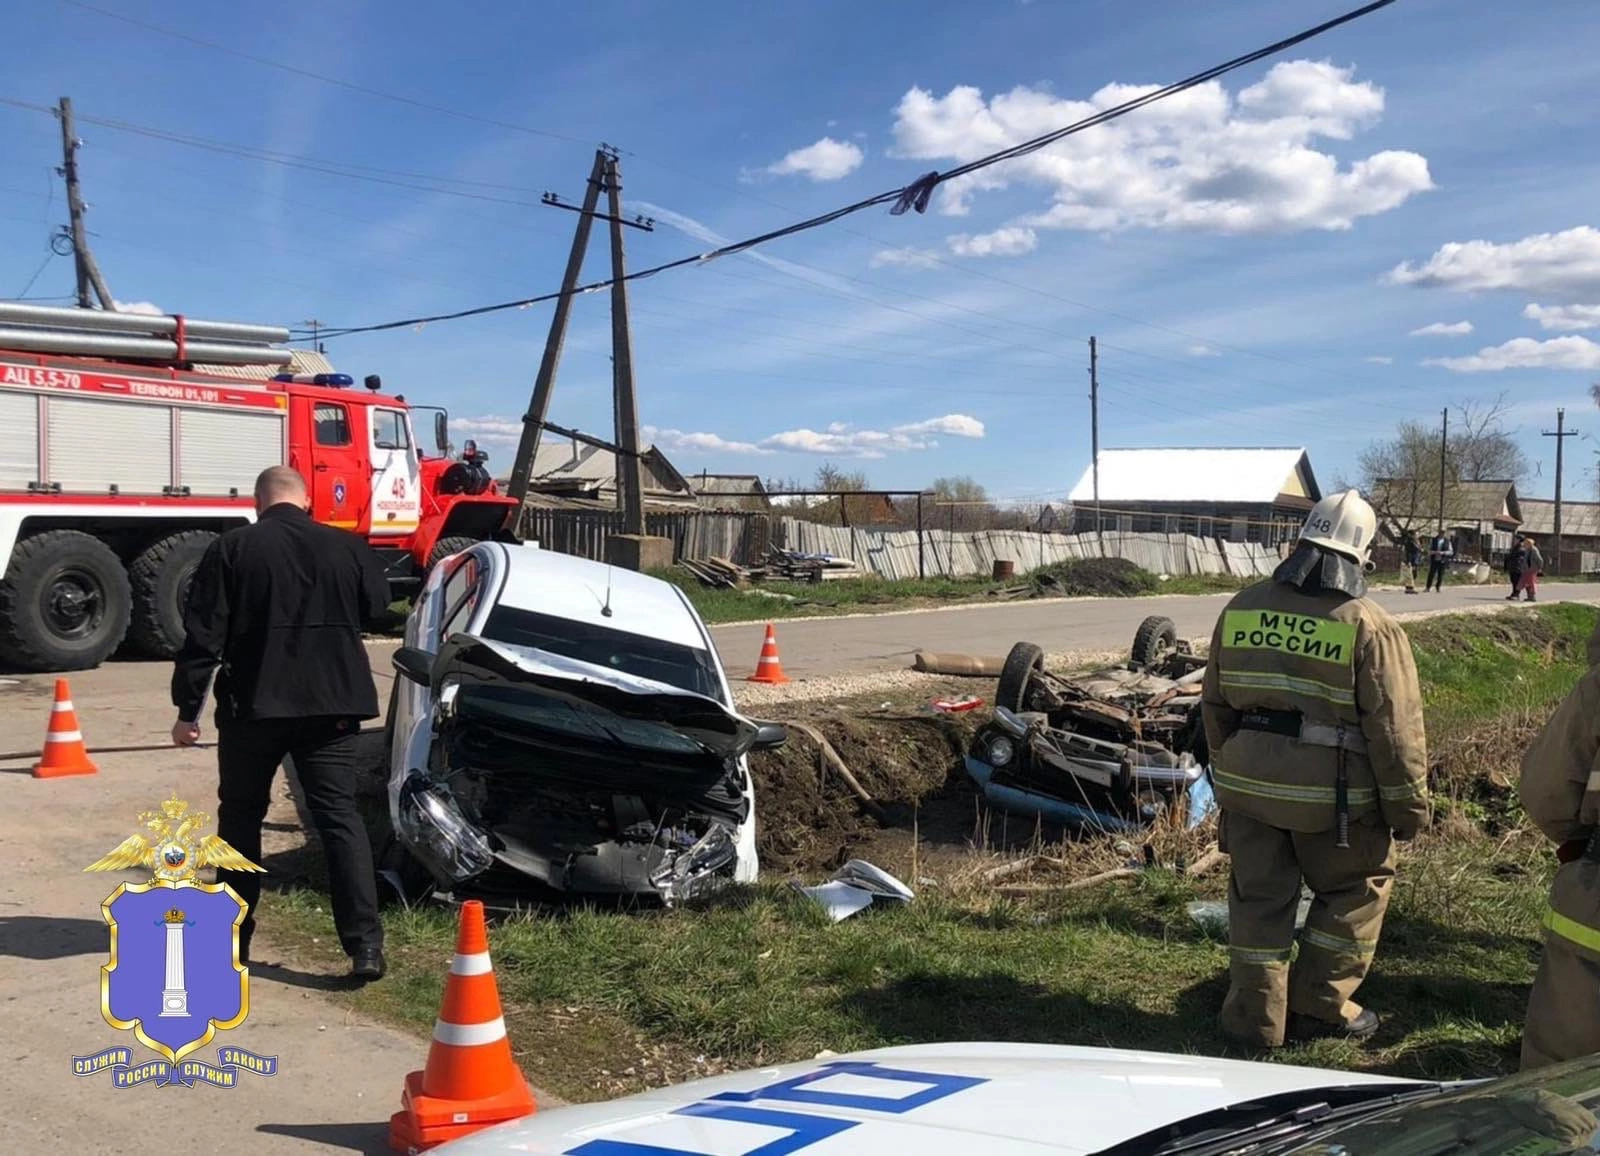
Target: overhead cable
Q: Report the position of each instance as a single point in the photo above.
(913, 196)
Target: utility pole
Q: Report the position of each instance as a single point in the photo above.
(630, 470)
(316, 339)
(1444, 455)
(88, 271)
(1094, 434)
(539, 408)
(1561, 434)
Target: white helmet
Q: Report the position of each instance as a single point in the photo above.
(1343, 523)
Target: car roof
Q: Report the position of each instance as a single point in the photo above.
(577, 589)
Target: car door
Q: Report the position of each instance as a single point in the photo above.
(396, 492)
(443, 607)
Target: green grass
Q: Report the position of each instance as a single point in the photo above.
(603, 1003)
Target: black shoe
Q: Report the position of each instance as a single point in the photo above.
(368, 964)
(1302, 1027)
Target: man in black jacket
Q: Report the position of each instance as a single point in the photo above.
(277, 610)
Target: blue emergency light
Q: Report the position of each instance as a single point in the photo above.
(336, 380)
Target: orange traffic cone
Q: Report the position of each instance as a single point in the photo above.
(768, 668)
(470, 1081)
(64, 752)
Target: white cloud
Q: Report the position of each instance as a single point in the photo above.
(1010, 241)
(1203, 350)
(1444, 329)
(1564, 318)
(144, 307)
(909, 258)
(1526, 353)
(1204, 159)
(1378, 360)
(839, 439)
(710, 443)
(826, 160)
(1562, 265)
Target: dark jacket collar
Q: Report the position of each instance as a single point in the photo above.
(283, 510)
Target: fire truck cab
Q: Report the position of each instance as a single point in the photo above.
(132, 441)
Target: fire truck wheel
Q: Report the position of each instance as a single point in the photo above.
(64, 602)
(445, 547)
(159, 578)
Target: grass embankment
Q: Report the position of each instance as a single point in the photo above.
(603, 1003)
(1105, 578)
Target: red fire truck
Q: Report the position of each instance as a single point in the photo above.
(128, 442)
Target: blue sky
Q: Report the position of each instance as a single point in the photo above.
(1254, 258)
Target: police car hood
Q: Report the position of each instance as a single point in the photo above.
(935, 1100)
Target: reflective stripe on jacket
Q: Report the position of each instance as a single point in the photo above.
(1560, 790)
(1337, 661)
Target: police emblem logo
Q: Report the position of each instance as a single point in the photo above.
(174, 978)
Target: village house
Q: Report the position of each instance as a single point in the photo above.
(1481, 518)
(1580, 533)
(1238, 495)
(742, 492)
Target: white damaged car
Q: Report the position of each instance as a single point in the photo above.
(561, 727)
(984, 1099)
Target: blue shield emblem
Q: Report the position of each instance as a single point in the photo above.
(174, 978)
(338, 493)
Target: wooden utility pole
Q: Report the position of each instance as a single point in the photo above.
(630, 471)
(1561, 434)
(1094, 432)
(539, 408)
(1444, 457)
(88, 271)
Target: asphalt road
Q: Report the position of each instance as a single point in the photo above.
(819, 647)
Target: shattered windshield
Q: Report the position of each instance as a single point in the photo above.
(524, 707)
(666, 662)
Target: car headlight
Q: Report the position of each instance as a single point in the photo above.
(1000, 751)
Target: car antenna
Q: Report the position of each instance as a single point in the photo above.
(605, 610)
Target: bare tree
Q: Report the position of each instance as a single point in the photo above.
(961, 504)
(1401, 475)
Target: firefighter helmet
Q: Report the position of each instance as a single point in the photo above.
(1343, 523)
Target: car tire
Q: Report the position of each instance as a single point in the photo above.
(1024, 661)
(1156, 638)
(65, 602)
(159, 581)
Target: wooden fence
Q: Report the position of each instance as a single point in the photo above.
(741, 538)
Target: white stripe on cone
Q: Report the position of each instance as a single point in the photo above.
(469, 1035)
(473, 963)
(62, 707)
(64, 737)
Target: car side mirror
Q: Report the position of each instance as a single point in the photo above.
(415, 664)
(441, 433)
(769, 737)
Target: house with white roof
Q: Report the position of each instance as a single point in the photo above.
(1238, 495)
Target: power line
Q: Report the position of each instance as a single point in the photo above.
(912, 196)
(305, 72)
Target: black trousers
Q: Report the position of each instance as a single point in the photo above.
(1436, 569)
(324, 752)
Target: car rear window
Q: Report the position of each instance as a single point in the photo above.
(635, 654)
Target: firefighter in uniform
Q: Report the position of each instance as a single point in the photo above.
(1314, 718)
(1560, 791)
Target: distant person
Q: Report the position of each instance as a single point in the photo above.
(469, 475)
(1410, 560)
(1516, 563)
(277, 610)
(1532, 568)
(1313, 716)
(1440, 551)
(1560, 791)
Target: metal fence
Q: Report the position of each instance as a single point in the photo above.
(937, 553)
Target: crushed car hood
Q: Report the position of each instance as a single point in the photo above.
(718, 730)
(936, 1099)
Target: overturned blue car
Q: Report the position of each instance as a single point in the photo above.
(1116, 750)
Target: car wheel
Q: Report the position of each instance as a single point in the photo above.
(1024, 661)
(1156, 638)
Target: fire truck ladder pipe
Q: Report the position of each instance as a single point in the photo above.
(149, 324)
(116, 345)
